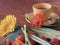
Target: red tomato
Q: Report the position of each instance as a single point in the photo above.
(19, 42)
(42, 37)
(54, 41)
(21, 37)
(31, 32)
(32, 42)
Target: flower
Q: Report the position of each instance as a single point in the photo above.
(38, 20)
(7, 25)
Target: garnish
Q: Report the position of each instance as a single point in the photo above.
(38, 20)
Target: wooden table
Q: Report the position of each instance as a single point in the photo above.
(20, 7)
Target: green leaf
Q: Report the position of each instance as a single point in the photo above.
(57, 22)
(39, 40)
(17, 27)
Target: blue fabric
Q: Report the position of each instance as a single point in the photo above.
(12, 36)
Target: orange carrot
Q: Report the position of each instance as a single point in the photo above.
(8, 41)
(13, 43)
(19, 41)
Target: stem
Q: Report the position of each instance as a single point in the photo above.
(26, 36)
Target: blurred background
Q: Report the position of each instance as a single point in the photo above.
(20, 7)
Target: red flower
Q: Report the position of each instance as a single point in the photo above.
(38, 20)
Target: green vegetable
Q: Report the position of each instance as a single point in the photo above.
(57, 22)
(38, 40)
(48, 33)
(26, 35)
(17, 27)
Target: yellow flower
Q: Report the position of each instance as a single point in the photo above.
(7, 25)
